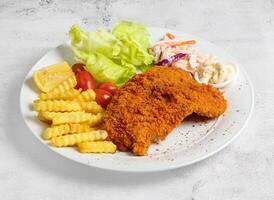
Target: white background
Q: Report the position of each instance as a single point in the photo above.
(244, 170)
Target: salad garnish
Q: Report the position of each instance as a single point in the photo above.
(112, 56)
(171, 51)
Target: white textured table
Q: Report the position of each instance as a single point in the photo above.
(244, 170)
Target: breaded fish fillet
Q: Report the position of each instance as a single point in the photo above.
(151, 104)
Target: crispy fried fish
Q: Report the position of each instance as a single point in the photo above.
(151, 104)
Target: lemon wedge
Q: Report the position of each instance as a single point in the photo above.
(51, 76)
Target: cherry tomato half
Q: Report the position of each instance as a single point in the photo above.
(78, 67)
(84, 81)
(103, 97)
(110, 87)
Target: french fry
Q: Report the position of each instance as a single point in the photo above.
(41, 117)
(64, 129)
(79, 128)
(70, 140)
(74, 118)
(48, 116)
(66, 85)
(71, 118)
(96, 119)
(97, 147)
(56, 106)
(91, 107)
(55, 131)
(67, 95)
(88, 95)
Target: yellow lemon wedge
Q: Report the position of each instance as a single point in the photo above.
(51, 76)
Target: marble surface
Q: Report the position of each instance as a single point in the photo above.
(244, 170)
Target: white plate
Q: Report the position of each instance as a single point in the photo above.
(189, 143)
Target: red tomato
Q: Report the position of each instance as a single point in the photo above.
(103, 97)
(78, 67)
(84, 81)
(110, 87)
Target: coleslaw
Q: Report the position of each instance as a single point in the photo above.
(206, 69)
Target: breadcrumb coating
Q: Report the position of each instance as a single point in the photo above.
(151, 104)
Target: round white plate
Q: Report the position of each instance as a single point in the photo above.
(195, 140)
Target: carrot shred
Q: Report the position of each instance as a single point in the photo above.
(170, 36)
(182, 43)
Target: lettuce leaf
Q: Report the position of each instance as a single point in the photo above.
(135, 37)
(112, 56)
(83, 43)
(105, 70)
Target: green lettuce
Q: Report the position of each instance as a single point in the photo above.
(136, 37)
(112, 56)
(105, 70)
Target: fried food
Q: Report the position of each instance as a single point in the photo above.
(70, 140)
(48, 116)
(97, 147)
(66, 85)
(64, 129)
(67, 118)
(55, 131)
(151, 104)
(67, 95)
(78, 128)
(56, 106)
(91, 107)
(88, 95)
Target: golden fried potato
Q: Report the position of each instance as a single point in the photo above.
(47, 116)
(67, 95)
(66, 85)
(55, 131)
(74, 118)
(79, 128)
(88, 95)
(41, 117)
(56, 106)
(70, 140)
(91, 107)
(97, 147)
